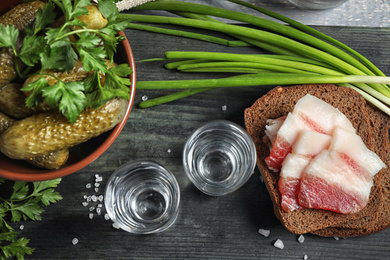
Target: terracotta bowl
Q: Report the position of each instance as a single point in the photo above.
(85, 153)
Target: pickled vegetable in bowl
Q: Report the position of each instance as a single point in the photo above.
(82, 154)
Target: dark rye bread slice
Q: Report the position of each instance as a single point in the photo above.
(280, 101)
(376, 222)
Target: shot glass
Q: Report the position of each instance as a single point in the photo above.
(317, 4)
(142, 197)
(219, 157)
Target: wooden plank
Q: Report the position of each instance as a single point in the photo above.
(208, 227)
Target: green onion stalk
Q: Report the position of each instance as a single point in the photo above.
(299, 53)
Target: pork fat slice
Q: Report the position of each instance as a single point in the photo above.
(323, 163)
(310, 113)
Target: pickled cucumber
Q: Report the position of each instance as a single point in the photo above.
(50, 131)
(20, 16)
(53, 160)
(5, 122)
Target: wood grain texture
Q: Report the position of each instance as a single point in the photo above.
(207, 227)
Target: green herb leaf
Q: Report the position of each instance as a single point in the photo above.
(35, 97)
(115, 85)
(108, 9)
(69, 95)
(30, 51)
(93, 59)
(43, 18)
(9, 35)
(59, 56)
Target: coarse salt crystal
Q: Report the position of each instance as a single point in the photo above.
(85, 203)
(21, 227)
(90, 215)
(88, 185)
(96, 189)
(106, 216)
(301, 239)
(94, 198)
(336, 238)
(99, 205)
(224, 108)
(264, 232)
(144, 98)
(169, 150)
(97, 185)
(85, 197)
(305, 257)
(100, 198)
(75, 241)
(99, 211)
(92, 208)
(89, 198)
(279, 244)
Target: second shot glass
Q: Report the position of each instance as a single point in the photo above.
(219, 157)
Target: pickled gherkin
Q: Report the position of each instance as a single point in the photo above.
(20, 16)
(50, 131)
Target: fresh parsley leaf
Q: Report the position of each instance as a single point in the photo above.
(60, 56)
(72, 10)
(69, 95)
(108, 9)
(25, 201)
(43, 18)
(93, 59)
(87, 40)
(20, 190)
(115, 85)
(17, 248)
(9, 35)
(30, 51)
(35, 97)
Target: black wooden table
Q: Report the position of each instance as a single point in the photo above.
(207, 227)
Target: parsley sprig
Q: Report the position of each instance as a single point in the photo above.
(22, 201)
(50, 48)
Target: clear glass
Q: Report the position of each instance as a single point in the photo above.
(219, 157)
(317, 4)
(142, 197)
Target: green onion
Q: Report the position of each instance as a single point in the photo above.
(302, 55)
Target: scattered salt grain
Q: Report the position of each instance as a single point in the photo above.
(279, 244)
(99, 211)
(106, 217)
(75, 241)
(89, 198)
(88, 185)
(264, 232)
(94, 198)
(85, 197)
(224, 108)
(305, 257)
(301, 239)
(100, 198)
(97, 185)
(336, 238)
(98, 179)
(144, 98)
(92, 208)
(115, 225)
(21, 227)
(99, 205)
(90, 215)
(96, 190)
(85, 203)
(169, 151)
